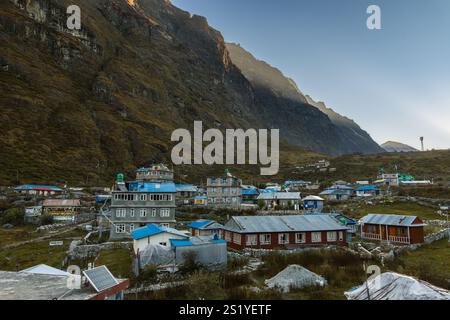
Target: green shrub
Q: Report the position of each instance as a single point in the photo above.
(14, 216)
(46, 219)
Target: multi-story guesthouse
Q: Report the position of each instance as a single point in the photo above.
(224, 191)
(206, 228)
(392, 228)
(287, 232)
(313, 203)
(138, 203)
(186, 194)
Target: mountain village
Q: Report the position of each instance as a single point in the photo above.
(146, 236)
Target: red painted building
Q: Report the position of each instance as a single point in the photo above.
(285, 232)
(393, 228)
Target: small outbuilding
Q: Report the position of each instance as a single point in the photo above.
(206, 228)
(155, 234)
(393, 228)
(313, 203)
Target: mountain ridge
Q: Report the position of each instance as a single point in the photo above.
(393, 146)
(82, 105)
(262, 74)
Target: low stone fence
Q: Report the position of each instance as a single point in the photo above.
(257, 253)
(281, 212)
(428, 239)
(79, 251)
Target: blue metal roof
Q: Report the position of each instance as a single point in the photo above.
(367, 188)
(201, 197)
(180, 243)
(199, 224)
(152, 187)
(38, 186)
(249, 192)
(186, 187)
(153, 229)
(266, 190)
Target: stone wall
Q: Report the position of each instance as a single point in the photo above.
(79, 251)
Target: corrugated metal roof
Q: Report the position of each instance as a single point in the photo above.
(38, 187)
(152, 187)
(260, 224)
(199, 224)
(367, 188)
(205, 225)
(62, 203)
(249, 192)
(267, 190)
(280, 196)
(390, 220)
(153, 229)
(313, 198)
(186, 188)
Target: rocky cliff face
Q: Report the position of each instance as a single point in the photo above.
(277, 90)
(81, 105)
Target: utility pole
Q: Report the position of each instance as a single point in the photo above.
(367, 281)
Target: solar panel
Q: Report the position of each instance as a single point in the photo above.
(100, 278)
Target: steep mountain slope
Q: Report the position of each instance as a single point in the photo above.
(392, 146)
(82, 105)
(264, 77)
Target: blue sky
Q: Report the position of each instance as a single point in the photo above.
(394, 82)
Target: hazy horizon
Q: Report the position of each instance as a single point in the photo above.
(393, 82)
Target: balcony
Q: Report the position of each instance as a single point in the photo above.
(377, 237)
(397, 239)
(371, 236)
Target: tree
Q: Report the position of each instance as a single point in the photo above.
(190, 264)
(46, 219)
(14, 216)
(261, 204)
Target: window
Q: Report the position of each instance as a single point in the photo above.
(341, 236)
(120, 228)
(143, 197)
(165, 225)
(227, 236)
(121, 213)
(143, 212)
(237, 238)
(300, 237)
(251, 240)
(371, 229)
(153, 212)
(164, 212)
(131, 212)
(316, 237)
(283, 238)
(131, 227)
(265, 239)
(331, 236)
